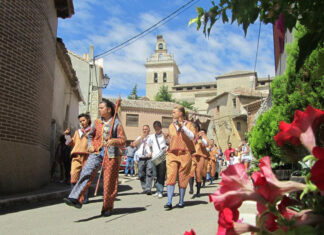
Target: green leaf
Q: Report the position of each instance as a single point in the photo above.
(307, 44)
(192, 21)
(309, 157)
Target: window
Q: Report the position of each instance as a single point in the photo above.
(238, 126)
(164, 77)
(160, 46)
(215, 86)
(179, 89)
(234, 103)
(132, 120)
(207, 87)
(189, 88)
(217, 109)
(262, 83)
(166, 121)
(198, 87)
(155, 77)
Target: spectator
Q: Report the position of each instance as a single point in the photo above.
(130, 152)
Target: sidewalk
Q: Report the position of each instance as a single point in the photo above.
(52, 191)
(49, 192)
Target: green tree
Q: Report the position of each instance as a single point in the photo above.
(133, 95)
(187, 105)
(290, 91)
(164, 95)
(246, 12)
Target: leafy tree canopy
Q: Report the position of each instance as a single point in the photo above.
(133, 95)
(245, 12)
(164, 95)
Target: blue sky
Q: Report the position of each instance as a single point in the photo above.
(105, 24)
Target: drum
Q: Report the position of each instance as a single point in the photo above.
(159, 157)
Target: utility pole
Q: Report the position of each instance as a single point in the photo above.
(91, 64)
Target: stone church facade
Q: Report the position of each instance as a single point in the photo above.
(227, 100)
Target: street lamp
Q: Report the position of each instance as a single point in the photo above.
(105, 82)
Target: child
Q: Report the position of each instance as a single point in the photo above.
(79, 143)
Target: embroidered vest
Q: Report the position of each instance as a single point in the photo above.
(98, 138)
(180, 142)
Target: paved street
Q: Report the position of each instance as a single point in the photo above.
(135, 213)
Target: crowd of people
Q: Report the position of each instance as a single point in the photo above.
(183, 155)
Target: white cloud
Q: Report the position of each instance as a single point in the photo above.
(198, 58)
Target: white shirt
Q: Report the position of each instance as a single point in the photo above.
(142, 149)
(151, 142)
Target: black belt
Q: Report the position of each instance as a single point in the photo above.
(144, 158)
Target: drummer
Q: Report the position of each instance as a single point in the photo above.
(157, 142)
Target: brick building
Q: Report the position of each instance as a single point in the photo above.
(27, 64)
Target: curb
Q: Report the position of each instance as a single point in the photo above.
(23, 200)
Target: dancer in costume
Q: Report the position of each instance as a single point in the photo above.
(213, 154)
(79, 144)
(178, 160)
(103, 150)
(205, 168)
(198, 159)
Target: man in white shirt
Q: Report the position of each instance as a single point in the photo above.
(143, 157)
(157, 143)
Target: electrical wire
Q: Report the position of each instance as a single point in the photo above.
(148, 30)
(257, 50)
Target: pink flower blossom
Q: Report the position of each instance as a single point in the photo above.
(192, 232)
(236, 187)
(226, 218)
(268, 185)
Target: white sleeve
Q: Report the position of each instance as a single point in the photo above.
(149, 141)
(204, 142)
(68, 139)
(188, 132)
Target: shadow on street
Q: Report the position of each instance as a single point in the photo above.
(120, 212)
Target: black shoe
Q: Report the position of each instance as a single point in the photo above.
(85, 201)
(168, 206)
(148, 192)
(106, 213)
(190, 191)
(72, 202)
(180, 205)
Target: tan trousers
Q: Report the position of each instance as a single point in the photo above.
(77, 163)
(178, 164)
(197, 167)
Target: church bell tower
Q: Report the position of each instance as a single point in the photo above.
(161, 69)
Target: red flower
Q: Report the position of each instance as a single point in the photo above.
(226, 218)
(283, 207)
(270, 220)
(268, 185)
(236, 187)
(192, 232)
(291, 132)
(317, 173)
